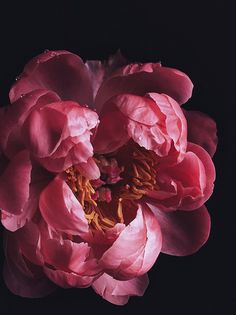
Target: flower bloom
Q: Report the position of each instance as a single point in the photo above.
(101, 170)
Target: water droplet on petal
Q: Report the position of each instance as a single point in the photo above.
(140, 138)
(22, 95)
(18, 78)
(46, 51)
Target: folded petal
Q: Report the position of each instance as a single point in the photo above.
(61, 210)
(58, 71)
(136, 249)
(183, 232)
(202, 130)
(14, 183)
(140, 79)
(119, 292)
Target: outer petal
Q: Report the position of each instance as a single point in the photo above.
(140, 79)
(202, 130)
(61, 210)
(21, 277)
(59, 71)
(118, 292)
(15, 115)
(136, 249)
(14, 184)
(183, 233)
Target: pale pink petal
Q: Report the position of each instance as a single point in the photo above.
(119, 292)
(59, 71)
(14, 184)
(61, 210)
(136, 248)
(202, 130)
(183, 232)
(140, 79)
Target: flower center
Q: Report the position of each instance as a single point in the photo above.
(107, 200)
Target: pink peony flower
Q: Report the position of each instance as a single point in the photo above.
(101, 170)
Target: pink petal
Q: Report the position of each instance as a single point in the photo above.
(118, 292)
(59, 71)
(61, 210)
(140, 79)
(70, 257)
(187, 185)
(136, 249)
(183, 232)
(42, 131)
(15, 115)
(112, 131)
(23, 278)
(89, 169)
(14, 184)
(67, 279)
(202, 130)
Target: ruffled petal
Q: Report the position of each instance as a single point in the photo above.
(183, 232)
(136, 248)
(202, 130)
(140, 79)
(119, 292)
(59, 71)
(61, 210)
(14, 184)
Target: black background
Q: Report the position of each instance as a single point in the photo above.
(194, 37)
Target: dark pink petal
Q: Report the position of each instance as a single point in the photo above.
(14, 184)
(202, 130)
(112, 132)
(59, 71)
(136, 248)
(183, 232)
(15, 115)
(21, 277)
(99, 71)
(140, 79)
(61, 210)
(119, 292)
